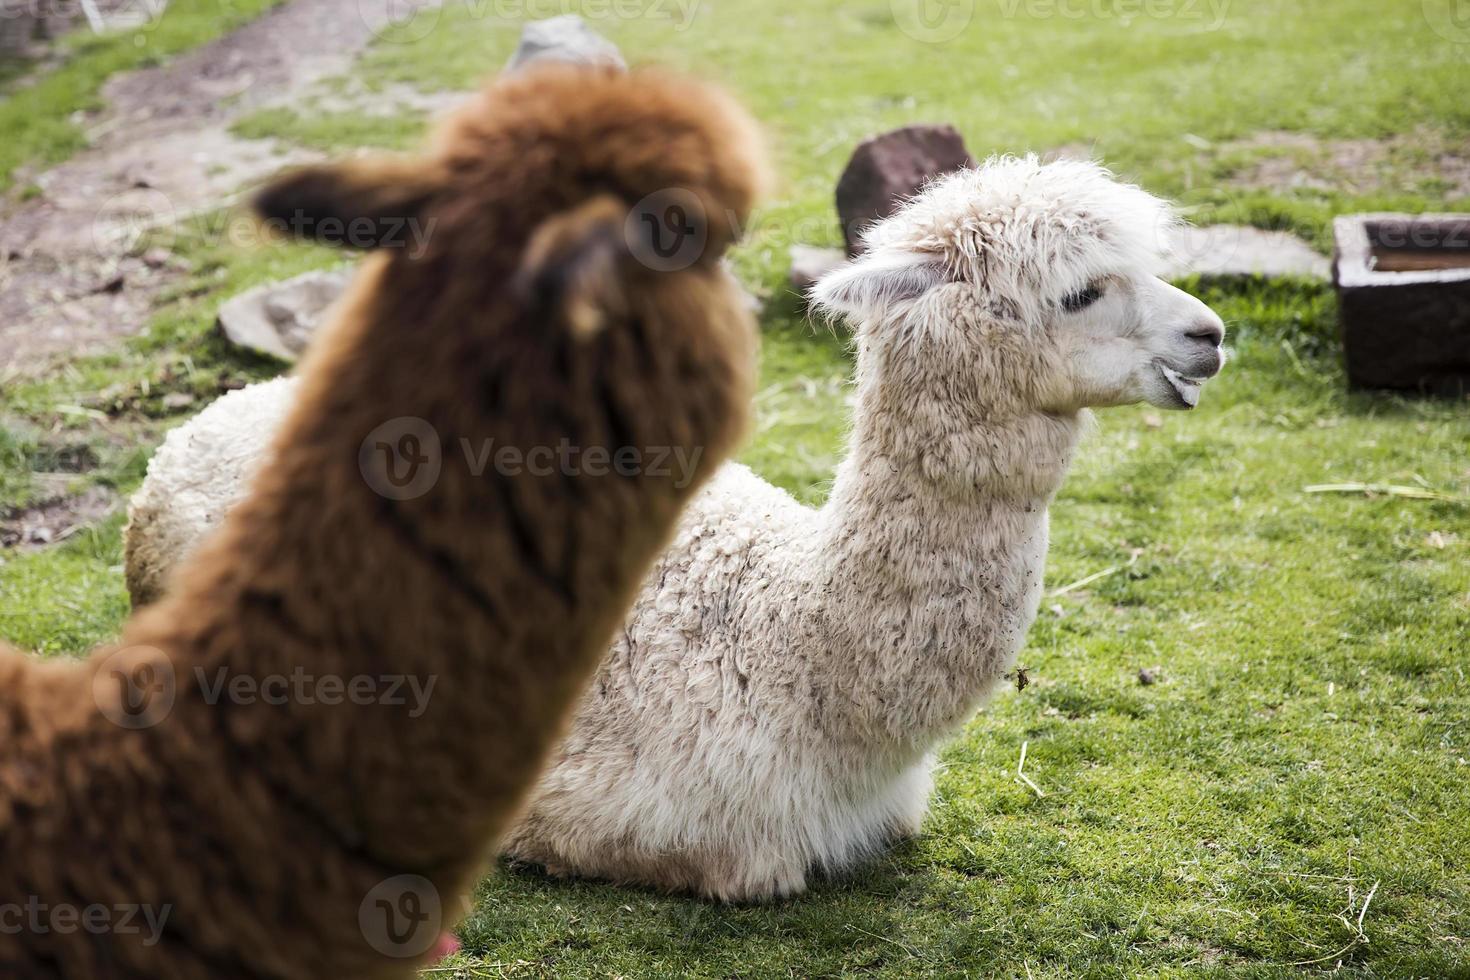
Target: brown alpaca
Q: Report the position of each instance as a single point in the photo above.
(270, 833)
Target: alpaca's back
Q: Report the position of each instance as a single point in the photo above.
(202, 470)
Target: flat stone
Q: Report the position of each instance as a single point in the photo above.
(566, 38)
(1239, 250)
(175, 400)
(808, 264)
(279, 318)
(1403, 287)
(886, 169)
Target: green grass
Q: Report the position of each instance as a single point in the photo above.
(333, 132)
(68, 598)
(1308, 736)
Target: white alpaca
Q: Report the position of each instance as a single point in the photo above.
(774, 702)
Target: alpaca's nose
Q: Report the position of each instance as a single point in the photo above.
(1211, 332)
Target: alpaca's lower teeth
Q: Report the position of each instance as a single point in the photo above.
(1187, 388)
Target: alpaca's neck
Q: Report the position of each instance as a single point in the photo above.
(934, 542)
(467, 613)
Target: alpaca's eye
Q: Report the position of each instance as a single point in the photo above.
(1082, 299)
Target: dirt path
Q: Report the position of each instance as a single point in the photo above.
(70, 279)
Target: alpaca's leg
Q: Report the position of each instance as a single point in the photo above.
(721, 875)
(911, 801)
(729, 877)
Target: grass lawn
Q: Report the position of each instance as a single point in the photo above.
(1306, 742)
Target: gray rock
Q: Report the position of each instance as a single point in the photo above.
(1239, 250)
(808, 264)
(565, 38)
(886, 169)
(279, 318)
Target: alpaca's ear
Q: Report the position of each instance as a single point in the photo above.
(575, 264)
(871, 284)
(362, 204)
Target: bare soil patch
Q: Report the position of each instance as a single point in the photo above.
(72, 280)
(394, 99)
(1281, 161)
(56, 518)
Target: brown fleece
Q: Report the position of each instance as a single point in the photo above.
(528, 319)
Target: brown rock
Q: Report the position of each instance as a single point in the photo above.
(886, 169)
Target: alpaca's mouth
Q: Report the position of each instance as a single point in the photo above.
(1185, 387)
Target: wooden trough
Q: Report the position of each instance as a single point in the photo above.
(1403, 284)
